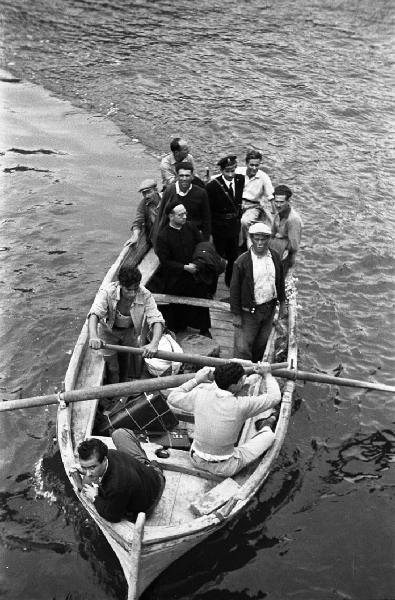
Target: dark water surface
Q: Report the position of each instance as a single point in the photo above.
(308, 82)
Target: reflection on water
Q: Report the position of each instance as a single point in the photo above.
(307, 82)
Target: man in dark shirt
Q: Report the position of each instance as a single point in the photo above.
(193, 197)
(175, 247)
(122, 482)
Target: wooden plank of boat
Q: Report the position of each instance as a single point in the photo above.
(174, 528)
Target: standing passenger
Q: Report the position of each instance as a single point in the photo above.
(146, 212)
(193, 197)
(257, 189)
(257, 284)
(175, 246)
(179, 153)
(287, 228)
(225, 193)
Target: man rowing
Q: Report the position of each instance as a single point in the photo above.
(220, 412)
(117, 316)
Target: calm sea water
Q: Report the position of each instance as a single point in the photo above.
(308, 82)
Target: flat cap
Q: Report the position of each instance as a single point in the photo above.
(227, 161)
(147, 184)
(259, 228)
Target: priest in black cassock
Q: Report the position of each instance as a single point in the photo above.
(175, 246)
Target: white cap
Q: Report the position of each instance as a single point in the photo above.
(259, 228)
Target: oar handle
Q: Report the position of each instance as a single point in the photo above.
(196, 359)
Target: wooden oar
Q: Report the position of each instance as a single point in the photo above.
(104, 391)
(319, 378)
(128, 388)
(195, 359)
(135, 555)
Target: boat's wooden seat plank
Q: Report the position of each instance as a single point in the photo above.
(191, 301)
(178, 461)
(204, 504)
(164, 510)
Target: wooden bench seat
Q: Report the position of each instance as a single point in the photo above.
(178, 460)
(212, 500)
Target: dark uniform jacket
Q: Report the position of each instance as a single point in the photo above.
(242, 284)
(225, 212)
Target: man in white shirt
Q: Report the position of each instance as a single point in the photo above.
(258, 188)
(220, 411)
(179, 153)
(257, 285)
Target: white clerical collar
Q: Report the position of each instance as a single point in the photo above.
(181, 193)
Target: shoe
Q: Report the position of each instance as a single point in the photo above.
(261, 423)
(206, 333)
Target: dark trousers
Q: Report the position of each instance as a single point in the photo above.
(180, 316)
(250, 341)
(228, 248)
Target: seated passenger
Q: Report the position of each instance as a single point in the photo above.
(175, 246)
(122, 482)
(193, 197)
(116, 317)
(286, 229)
(220, 414)
(257, 189)
(146, 212)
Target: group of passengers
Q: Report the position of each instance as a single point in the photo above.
(237, 217)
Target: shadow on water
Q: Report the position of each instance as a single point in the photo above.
(364, 457)
(232, 548)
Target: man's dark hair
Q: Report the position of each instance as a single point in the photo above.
(184, 165)
(91, 447)
(225, 375)
(253, 154)
(175, 144)
(283, 190)
(129, 275)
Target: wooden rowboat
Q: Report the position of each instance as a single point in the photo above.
(194, 504)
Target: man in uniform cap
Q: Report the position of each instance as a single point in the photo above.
(146, 212)
(225, 193)
(256, 287)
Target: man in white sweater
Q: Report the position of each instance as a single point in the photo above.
(220, 413)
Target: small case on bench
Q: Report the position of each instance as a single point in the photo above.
(147, 412)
